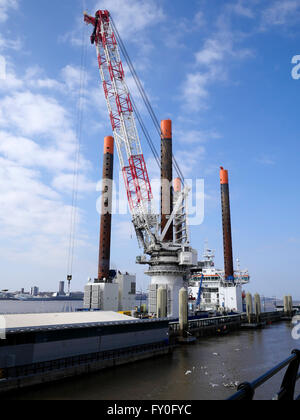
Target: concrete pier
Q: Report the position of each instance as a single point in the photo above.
(249, 307)
(257, 307)
(290, 304)
(162, 309)
(183, 311)
(288, 307)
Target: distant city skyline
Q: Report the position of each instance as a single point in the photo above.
(222, 71)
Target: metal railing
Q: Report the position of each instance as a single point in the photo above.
(246, 390)
(207, 322)
(264, 317)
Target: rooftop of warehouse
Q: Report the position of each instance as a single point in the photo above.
(63, 320)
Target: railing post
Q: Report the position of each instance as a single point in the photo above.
(290, 303)
(249, 307)
(183, 311)
(257, 304)
(288, 306)
(248, 391)
(288, 386)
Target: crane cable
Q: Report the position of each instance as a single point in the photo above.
(79, 124)
(146, 102)
(146, 133)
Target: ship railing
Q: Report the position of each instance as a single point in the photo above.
(246, 390)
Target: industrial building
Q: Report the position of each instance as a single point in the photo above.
(34, 291)
(117, 295)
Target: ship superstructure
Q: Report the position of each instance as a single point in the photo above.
(215, 292)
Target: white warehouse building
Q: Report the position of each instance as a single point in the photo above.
(116, 296)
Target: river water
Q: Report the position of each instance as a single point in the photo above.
(214, 363)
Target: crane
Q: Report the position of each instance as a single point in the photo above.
(169, 261)
(124, 128)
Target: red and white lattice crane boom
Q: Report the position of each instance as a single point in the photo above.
(124, 128)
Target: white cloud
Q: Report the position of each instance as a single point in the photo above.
(281, 13)
(125, 230)
(26, 204)
(199, 19)
(65, 183)
(38, 146)
(195, 91)
(175, 34)
(218, 49)
(266, 160)
(34, 114)
(37, 150)
(210, 65)
(242, 8)
(73, 77)
(47, 84)
(213, 51)
(133, 16)
(5, 6)
(10, 44)
(71, 80)
(188, 159)
(28, 153)
(197, 136)
(34, 220)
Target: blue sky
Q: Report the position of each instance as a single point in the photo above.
(220, 70)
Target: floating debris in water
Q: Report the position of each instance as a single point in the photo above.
(231, 385)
